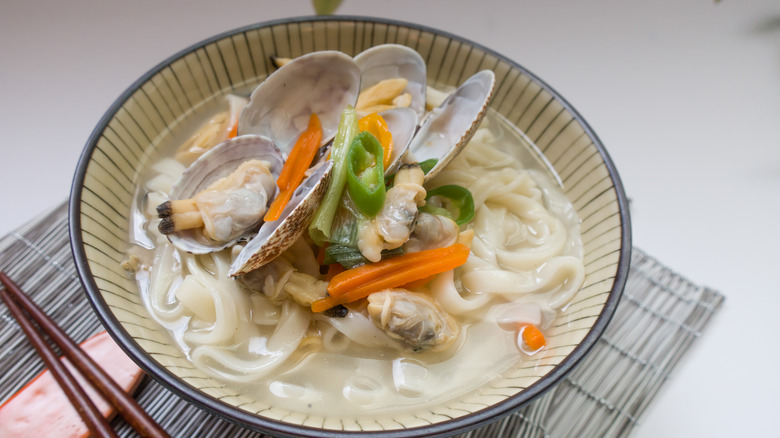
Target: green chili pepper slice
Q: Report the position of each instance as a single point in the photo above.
(365, 174)
(427, 165)
(455, 197)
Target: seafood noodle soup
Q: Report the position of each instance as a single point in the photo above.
(420, 248)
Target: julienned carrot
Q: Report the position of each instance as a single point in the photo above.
(376, 125)
(533, 337)
(333, 270)
(418, 283)
(321, 254)
(295, 167)
(412, 273)
(301, 154)
(367, 273)
(357, 283)
(395, 279)
(275, 210)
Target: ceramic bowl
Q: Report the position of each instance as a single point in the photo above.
(152, 108)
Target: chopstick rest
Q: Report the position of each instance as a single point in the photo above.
(15, 299)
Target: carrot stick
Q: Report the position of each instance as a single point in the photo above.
(275, 210)
(324, 304)
(334, 269)
(301, 154)
(392, 280)
(295, 167)
(533, 337)
(376, 125)
(362, 281)
(355, 277)
(418, 283)
(399, 278)
(321, 254)
(233, 131)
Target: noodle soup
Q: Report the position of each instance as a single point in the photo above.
(525, 265)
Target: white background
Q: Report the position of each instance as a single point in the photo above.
(684, 94)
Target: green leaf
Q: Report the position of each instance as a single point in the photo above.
(325, 7)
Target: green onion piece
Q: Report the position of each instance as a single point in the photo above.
(454, 196)
(350, 257)
(319, 230)
(347, 256)
(365, 174)
(427, 165)
(343, 231)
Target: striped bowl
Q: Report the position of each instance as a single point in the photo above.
(150, 110)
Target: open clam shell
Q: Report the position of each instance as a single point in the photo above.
(275, 237)
(279, 108)
(389, 61)
(217, 163)
(402, 123)
(450, 126)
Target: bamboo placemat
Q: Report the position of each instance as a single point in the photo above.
(660, 315)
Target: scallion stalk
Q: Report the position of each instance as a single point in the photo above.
(320, 227)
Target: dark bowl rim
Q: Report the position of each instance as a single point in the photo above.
(276, 427)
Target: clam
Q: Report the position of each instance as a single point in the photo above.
(278, 111)
(323, 83)
(276, 236)
(218, 164)
(413, 319)
(432, 231)
(393, 61)
(449, 127)
(320, 82)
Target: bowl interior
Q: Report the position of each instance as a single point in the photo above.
(159, 105)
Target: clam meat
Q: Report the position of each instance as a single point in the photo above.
(276, 236)
(432, 231)
(391, 227)
(392, 75)
(222, 196)
(213, 132)
(413, 319)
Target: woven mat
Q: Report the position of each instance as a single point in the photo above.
(660, 315)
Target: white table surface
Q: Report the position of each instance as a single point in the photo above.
(685, 96)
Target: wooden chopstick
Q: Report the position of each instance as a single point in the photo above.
(111, 391)
(78, 398)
